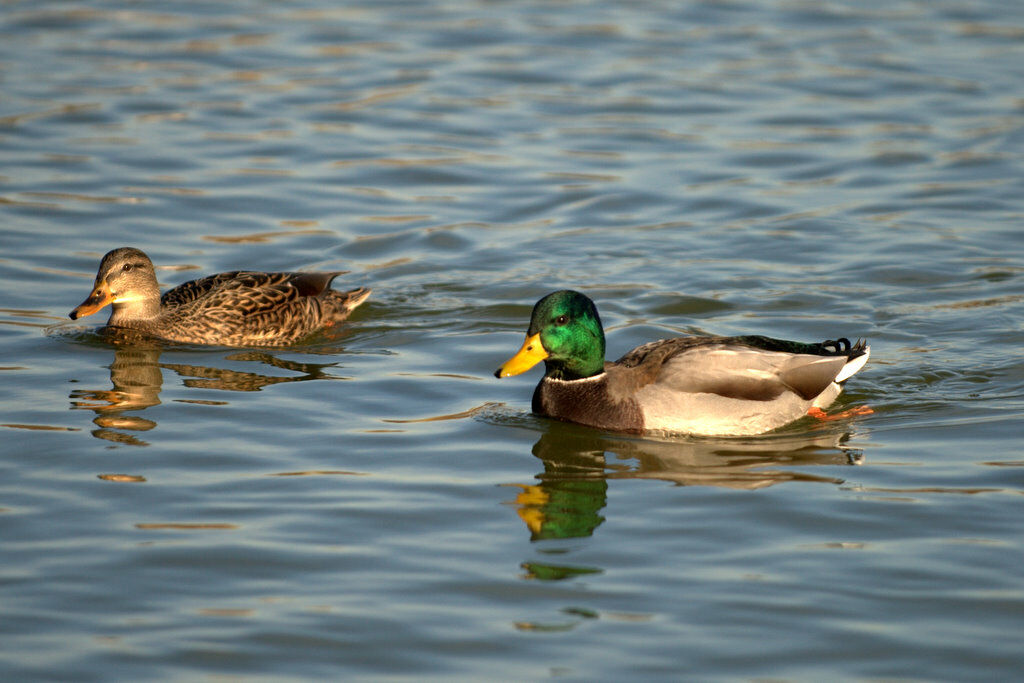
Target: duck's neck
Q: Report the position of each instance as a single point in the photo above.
(576, 368)
(138, 307)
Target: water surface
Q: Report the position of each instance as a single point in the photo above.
(376, 504)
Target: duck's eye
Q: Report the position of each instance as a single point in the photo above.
(561, 320)
(126, 267)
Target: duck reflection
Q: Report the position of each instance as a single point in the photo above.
(137, 378)
(205, 377)
(578, 462)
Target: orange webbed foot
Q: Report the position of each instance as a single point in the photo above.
(820, 414)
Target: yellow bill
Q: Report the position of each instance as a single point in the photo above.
(100, 297)
(529, 355)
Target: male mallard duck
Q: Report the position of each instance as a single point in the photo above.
(713, 386)
(241, 308)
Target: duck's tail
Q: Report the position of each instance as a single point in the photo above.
(350, 300)
(858, 356)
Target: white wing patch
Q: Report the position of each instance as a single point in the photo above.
(854, 366)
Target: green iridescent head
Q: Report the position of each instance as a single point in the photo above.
(565, 332)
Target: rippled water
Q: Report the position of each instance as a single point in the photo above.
(375, 503)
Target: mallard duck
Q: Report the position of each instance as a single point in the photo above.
(240, 308)
(712, 386)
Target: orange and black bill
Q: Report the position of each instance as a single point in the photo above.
(99, 298)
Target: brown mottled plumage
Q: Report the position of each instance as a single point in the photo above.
(240, 308)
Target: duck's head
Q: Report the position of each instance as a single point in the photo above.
(565, 332)
(126, 280)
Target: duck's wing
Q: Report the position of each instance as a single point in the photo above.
(248, 290)
(746, 368)
(188, 292)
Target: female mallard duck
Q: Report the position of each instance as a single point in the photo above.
(241, 308)
(713, 386)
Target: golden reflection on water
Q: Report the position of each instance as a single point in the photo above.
(42, 428)
(26, 313)
(122, 478)
(136, 378)
(61, 110)
(578, 464)
(260, 237)
(173, 191)
(136, 374)
(376, 96)
(68, 196)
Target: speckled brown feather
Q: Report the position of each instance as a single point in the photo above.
(248, 308)
(239, 308)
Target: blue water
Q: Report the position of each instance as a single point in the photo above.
(374, 504)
